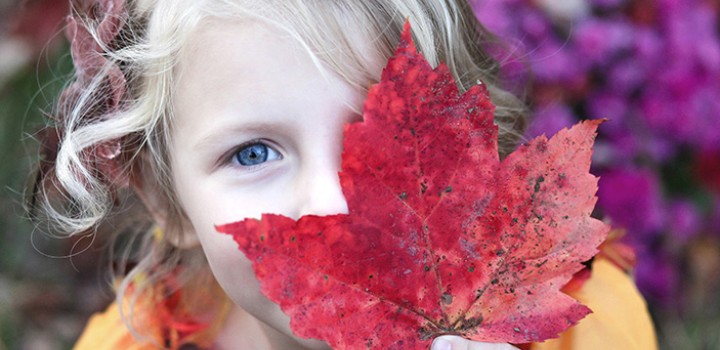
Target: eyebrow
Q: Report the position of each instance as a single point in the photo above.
(220, 133)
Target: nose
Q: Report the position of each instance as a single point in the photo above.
(321, 191)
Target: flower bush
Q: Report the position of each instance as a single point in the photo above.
(652, 68)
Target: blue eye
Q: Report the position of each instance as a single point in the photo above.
(256, 153)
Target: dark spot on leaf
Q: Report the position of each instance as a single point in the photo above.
(494, 281)
(448, 189)
(471, 269)
(427, 268)
(370, 277)
(262, 238)
(538, 181)
(425, 334)
(447, 298)
(500, 252)
(412, 131)
(292, 239)
(403, 196)
(538, 216)
(542, 147)
(471, 323)
(423, 187)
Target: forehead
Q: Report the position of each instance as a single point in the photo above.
(225, 58)
(246, 69)
(225, 54)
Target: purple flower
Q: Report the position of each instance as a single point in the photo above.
(627, 75)
(683, 220)
(550, 119)
(703, 111)
(692, 34)
(707, 45)
(552, 62)
(622, 146)
(599, 41)
(494, 15)
(657, 278)
(611, 105)
(659, 110)
(648, 47)
(608, 3)
(535, 24)
(632, 199)
(653, 69)
(659, 149)
(619, 149)
(688, 115)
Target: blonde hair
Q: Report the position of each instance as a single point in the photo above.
(335, 34)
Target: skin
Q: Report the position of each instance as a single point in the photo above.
(275, 98)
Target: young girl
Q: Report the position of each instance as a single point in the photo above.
(202, 112)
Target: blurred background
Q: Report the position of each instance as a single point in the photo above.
(46, 296)
(651, 67)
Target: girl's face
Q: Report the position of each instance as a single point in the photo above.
(258, 129)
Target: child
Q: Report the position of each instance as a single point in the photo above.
(210, 111)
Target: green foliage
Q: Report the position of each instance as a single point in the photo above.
(24, 99)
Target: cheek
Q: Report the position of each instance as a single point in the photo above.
(231, 268)
(234, 273)
(209, 201)
(219, 198)
(205, 207)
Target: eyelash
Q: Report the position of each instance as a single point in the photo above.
(272, 153)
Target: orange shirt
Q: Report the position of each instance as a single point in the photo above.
(620, 320)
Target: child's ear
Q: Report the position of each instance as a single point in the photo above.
(173, 226)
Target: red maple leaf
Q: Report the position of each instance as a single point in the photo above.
(441, 236)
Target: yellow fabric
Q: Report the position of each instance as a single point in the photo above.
(619, 320)
(107, 331)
